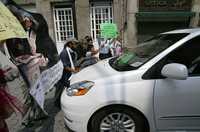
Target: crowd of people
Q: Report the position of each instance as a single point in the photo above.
(88, 51)
(79, 54)
(75, 56)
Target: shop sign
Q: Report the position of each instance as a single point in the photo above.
(164, 5)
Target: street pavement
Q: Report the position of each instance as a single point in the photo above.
(54, 123)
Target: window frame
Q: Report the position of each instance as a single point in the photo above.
(68, 22)
(93, 19)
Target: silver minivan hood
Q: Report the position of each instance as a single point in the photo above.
(100, 70)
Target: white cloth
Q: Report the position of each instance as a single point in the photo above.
(31, 40)
(116, 48)
(96, 46)
(70, 57)
(104, 47)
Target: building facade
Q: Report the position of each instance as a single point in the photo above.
(137, 20)
(29, 5)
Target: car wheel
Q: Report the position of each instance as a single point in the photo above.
(118, 119)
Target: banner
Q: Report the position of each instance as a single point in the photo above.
(46, 82)
(108, 30)
(9, 25)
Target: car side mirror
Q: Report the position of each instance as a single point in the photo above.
(175, 71)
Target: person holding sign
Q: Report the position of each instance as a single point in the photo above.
(68, 57)
(108, 32)
(104, 50)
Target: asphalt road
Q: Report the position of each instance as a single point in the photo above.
(54, 123)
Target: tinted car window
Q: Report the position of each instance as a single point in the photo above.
(188, 54)
(133, 59)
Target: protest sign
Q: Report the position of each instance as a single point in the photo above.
(9, 25)
(46, 82)
(125, 58)
(108, 30)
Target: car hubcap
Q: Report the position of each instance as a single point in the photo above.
(117, 122)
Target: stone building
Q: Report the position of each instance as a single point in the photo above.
(137, 20)
(29, 5)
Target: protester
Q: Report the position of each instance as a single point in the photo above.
(90, 58)
(40, 42)
(86, 52)
(105, 51)
(38, 25)
(116, 47)
(90, 48)
(35, 113)
(91, 51)
(82, 47)
(8, 103)
(68, 57)
(39, 38)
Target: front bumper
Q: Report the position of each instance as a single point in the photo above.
(77, 112)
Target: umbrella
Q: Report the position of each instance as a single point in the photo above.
(10, 27)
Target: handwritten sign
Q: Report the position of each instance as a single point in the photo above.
(9, 25)
(46, 82)
(108, 30)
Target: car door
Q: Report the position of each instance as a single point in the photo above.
(177, 105)
(177, 102)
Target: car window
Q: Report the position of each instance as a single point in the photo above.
(145, 51)
(188, 54)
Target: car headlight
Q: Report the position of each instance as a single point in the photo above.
(80, 88)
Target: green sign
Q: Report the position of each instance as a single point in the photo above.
(108, 30)
(125, 58)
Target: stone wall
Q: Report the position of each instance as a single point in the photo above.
(195, 8)
(44, 7)
(82, 18)
(124, 17)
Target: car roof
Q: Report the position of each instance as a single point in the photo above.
(189, 31)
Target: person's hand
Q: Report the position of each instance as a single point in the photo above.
(77, 69)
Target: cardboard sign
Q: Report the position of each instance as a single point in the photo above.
(108, 30)
(46, 82)
(9, 25)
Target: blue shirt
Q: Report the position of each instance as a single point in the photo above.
(66, 63)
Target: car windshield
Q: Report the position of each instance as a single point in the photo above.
(133, 59)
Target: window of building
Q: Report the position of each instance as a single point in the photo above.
(63, 23)
(100, 13)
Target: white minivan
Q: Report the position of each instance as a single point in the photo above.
(153, 88)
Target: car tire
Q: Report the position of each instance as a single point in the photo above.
(103, 120)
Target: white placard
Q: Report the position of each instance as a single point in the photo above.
(46, 82)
